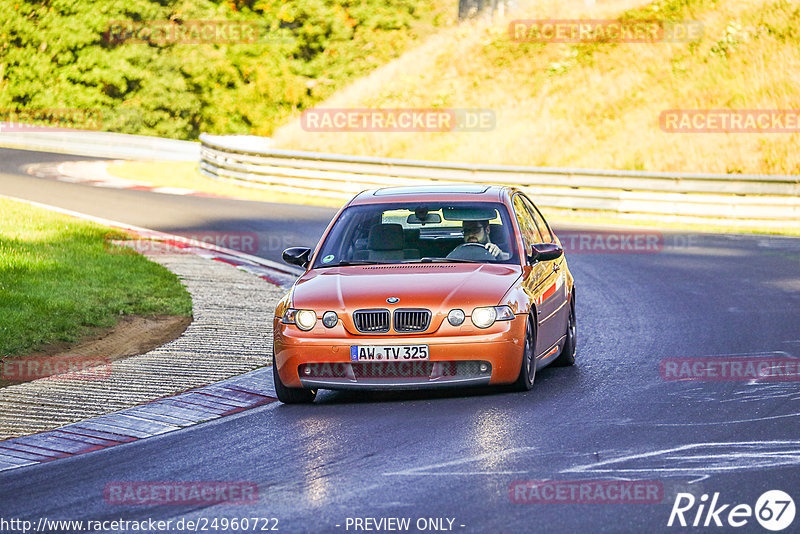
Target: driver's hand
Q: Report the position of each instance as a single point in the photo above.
(493, 249)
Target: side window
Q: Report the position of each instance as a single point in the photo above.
(526, 223)
(544, 230)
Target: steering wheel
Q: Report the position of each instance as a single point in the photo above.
(471, 251)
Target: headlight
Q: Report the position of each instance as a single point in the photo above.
(456, 317)
(329, 319)
(304, 319)
(486, 317)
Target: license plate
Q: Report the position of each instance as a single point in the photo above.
(388, 353)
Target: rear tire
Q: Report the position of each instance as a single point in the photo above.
(289, 395)
(567, 356)
(527, 371)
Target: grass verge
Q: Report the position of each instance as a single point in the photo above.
(609, 218)
(184, 174)
(60, 279)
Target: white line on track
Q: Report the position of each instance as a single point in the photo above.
(732, 456)
(489, 455)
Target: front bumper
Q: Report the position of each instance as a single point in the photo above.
(395, 375)
(463, 357)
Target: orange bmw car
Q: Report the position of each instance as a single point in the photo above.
(426, 287)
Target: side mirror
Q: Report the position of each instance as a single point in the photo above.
(297, 256)
(545, 252)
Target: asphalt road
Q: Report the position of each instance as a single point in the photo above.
(258, 228)
(454, 455)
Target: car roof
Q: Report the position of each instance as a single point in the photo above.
(434, 193)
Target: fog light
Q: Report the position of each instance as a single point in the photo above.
(484, 368)
(307, 370)
(456, 317)
(329, 319)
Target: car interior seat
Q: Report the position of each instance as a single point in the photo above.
(499, 236)
(385, 243)
(411, 243)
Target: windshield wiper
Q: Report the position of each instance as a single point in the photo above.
(442, 260)
(345, 263)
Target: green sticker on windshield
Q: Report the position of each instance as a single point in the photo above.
(328, 258)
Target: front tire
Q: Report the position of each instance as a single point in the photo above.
(527, 371)
(567, 356)
(289, 395)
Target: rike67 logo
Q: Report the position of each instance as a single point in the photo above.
(774, 511)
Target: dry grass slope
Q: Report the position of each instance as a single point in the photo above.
(591, 105)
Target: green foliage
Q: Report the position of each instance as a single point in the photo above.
(61, 54)
(60, 277)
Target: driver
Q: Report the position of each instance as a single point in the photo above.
(478, 232)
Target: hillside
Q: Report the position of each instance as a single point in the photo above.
(590, 105)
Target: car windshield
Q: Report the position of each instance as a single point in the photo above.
(414, 232)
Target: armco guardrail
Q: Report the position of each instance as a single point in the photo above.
(101, 144)
(769, 200)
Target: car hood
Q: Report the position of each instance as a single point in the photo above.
(438, 287)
